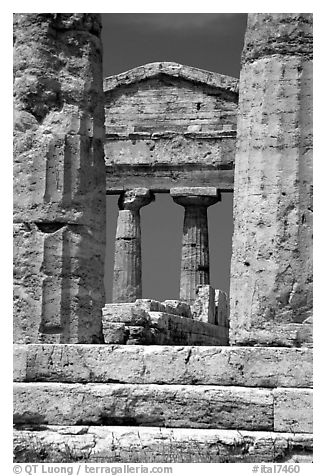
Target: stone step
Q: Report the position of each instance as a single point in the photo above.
(180, 406)
(109, 444)
(236, 366)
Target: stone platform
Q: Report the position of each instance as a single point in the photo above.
(144, 403)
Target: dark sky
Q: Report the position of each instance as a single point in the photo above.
(211, 41)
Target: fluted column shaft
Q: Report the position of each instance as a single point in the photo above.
(59, 179)
(271, 268)
(127, 279)
(195, 245)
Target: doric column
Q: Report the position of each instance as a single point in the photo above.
(127, 279)
(59, 178)
(195, 250)
(271, 269)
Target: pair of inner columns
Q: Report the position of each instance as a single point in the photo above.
(127, 278)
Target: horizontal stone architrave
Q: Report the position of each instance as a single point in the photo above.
(178, 406)
(167, 160)
(206, 365)
(149, 444)
(161, 178)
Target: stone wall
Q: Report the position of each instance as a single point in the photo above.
(59, 178)
(169, 104)
(271, 272)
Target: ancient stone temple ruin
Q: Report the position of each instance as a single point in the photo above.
(208, 377)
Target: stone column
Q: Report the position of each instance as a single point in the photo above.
(59, 178)
(195, 249)
(271, 271)
(127, 278)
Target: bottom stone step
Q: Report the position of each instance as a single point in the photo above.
(107, 444)
(177, 406)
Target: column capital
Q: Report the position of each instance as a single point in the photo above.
(135, 199)
(195, 196)
(193, 201)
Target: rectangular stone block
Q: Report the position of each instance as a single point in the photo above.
(150, 305)
(138, 335)
(180, 406)
(180, 308)
(237, 366)
(20, 353)
(128, 313)
(115, 333)
(163, 177)
(283, 335)
(203, 309)
(293, 410)
(149, 444)
(184, 331)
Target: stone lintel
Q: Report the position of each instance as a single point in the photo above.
(161, 178)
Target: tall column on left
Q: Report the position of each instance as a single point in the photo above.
(59, 178)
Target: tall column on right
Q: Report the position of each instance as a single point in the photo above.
(271, 269)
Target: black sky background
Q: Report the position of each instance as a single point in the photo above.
(211, 41)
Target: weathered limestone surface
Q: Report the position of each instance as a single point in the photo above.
(203, 308)
(160, 101)
(236, 366)
(162, 177)
(180, 406)
(195, 247)
(146, 445)
(293, 410)
(174, 70)
(131, 324)
(127, 277)
(59, 178)
(167, 123)
(211, 305)
(271, 270)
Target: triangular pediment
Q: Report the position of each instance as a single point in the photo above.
(174, 71)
